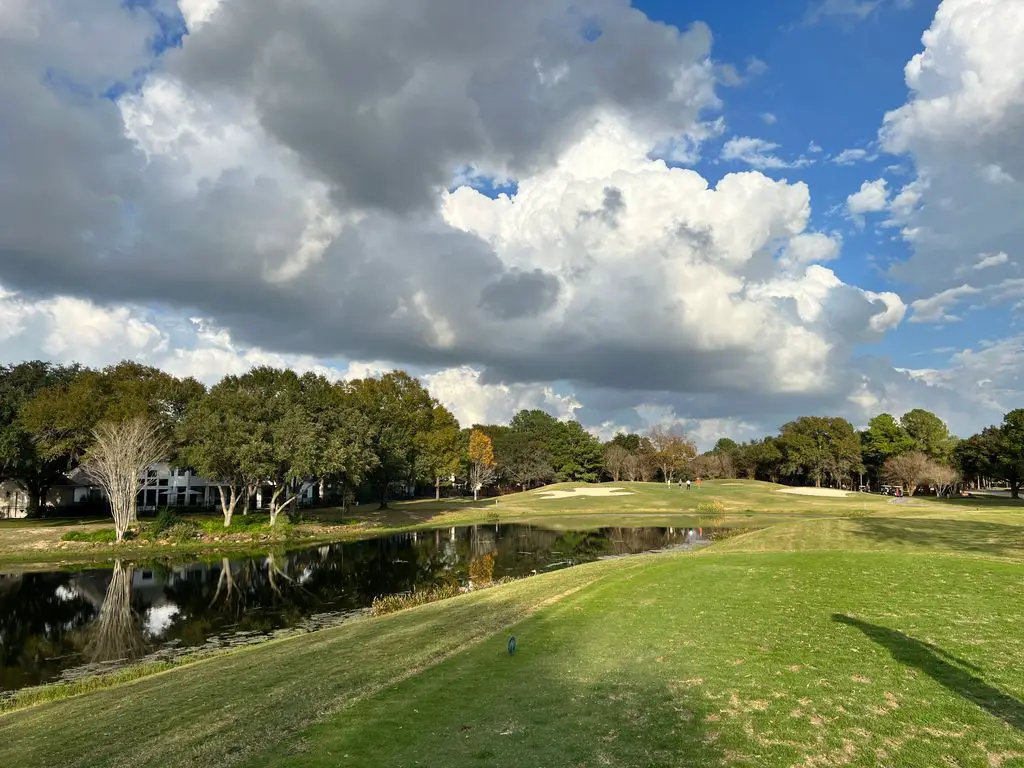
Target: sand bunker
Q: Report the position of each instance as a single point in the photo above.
(832, 492)
(576, 492)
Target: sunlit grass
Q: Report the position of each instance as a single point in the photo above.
(842, 632)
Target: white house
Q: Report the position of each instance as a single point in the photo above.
(161, 485)
(14, 499)
(167, 486)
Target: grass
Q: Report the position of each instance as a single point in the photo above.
(739, 504)
(100, 535)
(849, 632)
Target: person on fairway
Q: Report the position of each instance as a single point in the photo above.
(687, 485)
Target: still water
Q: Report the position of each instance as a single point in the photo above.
(63, 624)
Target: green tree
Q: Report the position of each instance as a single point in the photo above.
(536, 423)
(61, 417)
(1010, 457)
(728, 447)
(884, 438)
(929, 434)
(533, 438)
(284, 449)
(215, 434)
(523, 460)
(440, 448)
(397, 408)
(576, 454)
(631, 441)
(820, 448)
(764, 458)
(572, 453)
(978, 455)
(20, 457)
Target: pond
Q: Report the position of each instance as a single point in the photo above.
(64, 624)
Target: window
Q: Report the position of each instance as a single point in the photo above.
(150, 473)
(162, 482)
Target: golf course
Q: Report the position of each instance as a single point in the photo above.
(839, 630)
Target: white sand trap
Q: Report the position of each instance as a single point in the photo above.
(577, 492)
(831, 492)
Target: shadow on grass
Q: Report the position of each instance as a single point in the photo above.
(462, 719)
(987, 503)
(944, 668)
(416, 512)
(955, 535)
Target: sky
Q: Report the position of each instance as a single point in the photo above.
(713, 215)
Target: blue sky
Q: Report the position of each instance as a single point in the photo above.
(830, 80)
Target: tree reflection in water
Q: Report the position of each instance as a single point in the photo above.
(53, 622)
(116, 634)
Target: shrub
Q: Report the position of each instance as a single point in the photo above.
(103, 536)
(166, 518)
(182, 531)
(714, 508)
(239, 524)
(391, 603)
(481, 570)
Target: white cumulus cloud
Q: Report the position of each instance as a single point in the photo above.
(872, 197)
(938, 308)
(758, 153)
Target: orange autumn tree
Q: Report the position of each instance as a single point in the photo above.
(482, 466)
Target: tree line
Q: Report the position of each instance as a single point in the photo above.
(913, 451)
(269, 429)
(371, 438)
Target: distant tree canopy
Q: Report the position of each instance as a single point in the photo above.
(820, 449)
(387, 435)
(914, 451)
(996, 452)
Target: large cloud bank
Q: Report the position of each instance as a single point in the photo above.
(315, 181)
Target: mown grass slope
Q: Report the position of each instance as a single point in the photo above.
(743, 503)
(850, 632)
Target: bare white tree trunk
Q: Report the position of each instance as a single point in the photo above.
(228, 500)
(250, 491)
(275, 507)
(119, 456)
(480, 474)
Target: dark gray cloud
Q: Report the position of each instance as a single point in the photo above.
(612, 205)
(385, 99)
(520, 294)
(378, 103)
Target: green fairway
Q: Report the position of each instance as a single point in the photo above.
(782, 660)
(845, 632)
(26, 544)
(739, 503)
